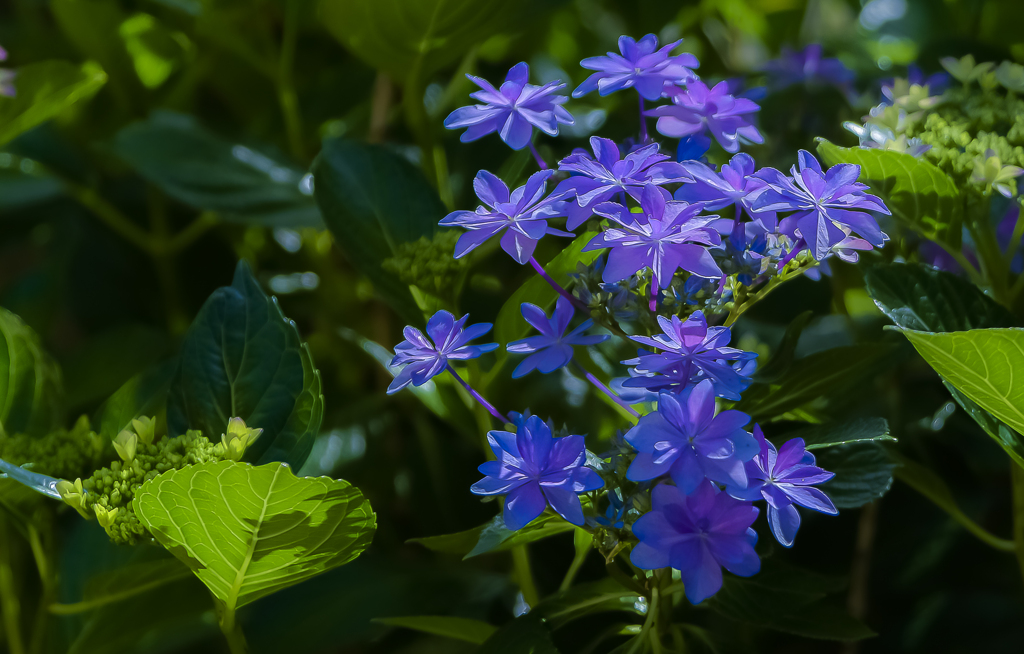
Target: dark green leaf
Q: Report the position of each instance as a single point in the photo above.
(524, 635)
(142, 395)
(105, 361)
(915, 190)
(92, 27)
(373, 200)
(242, 358)
(1000, 432)
(783, 356)
(494, 536)
(916, 296)
(31, 393)
(585, 599)
(859, 430)
(471, 631)
(205, 171)
(44, 90)
(863, 473)
(124, 583)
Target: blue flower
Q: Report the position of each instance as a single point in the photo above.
(553, 348)
(808, 67)
(424, 359)
(731, 186)
(522, 215)
(784, 478)
(608, 174)
(534, 469)
(690, 353)
(698, 109)
(513, 110)
(823, 203)
(687, 441)
(614, 515)
(697, 535)
(641, 66)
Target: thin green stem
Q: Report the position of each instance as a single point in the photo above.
(202, 224)
(524, 575)
(287, 97)
(1017, 475)
(42, 551)
(232, 630)
(652, 613)
(110, 215)
(583, 540)
(10, 604)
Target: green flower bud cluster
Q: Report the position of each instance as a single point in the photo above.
(428, 264)
(65, 453)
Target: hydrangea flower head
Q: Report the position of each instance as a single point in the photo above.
(521, 214)
(641, 65)
(823, 203)
(784, 478)
(690, 353)
(601, 177)
(808, 67)
(732, 185)
(698, 535)
(513, 110)
(687, 441)
(553, 348)
(534, 470)
(664, 237)
(425, 358)
(697, 109)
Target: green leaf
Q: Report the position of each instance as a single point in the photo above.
(829, 372)
(917, 296)
(471, 631)
(981, 364)
(524, 635)
(602, 596)
(203, 170)
(124, 583)
(998, 430)
(784, 355)
(44, 91)
(31, 392)
(494, 536)
(929, 484)
(373, 200)
(242, 358)
(509, 325)
(92, 26)
(915, 190)
(863, 473)
(248, 531)
(142, 395)
(103, 363)
(859, 430)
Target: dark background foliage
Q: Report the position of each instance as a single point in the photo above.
(197, 86)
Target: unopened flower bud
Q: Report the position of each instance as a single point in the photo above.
(73, 495)
(125, 445)
(238, 438)
(145, 427)
(104, 517)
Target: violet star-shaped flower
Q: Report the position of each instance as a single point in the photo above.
(785, 478)
(521, 214)
(553, 348)
(822, 202)
(690, 353)
(687, 441)
(513, 110)
(535, 470)
(731, 186)
(808, 67)
(424, 358)
(641, 65)
(665, 237)
(607, 174)
(697, 535)
(697, 109)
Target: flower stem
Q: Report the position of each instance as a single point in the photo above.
(10, 604)
(643, 122)
(524, 576)
(478, 397)
(536, 155)
(233, 632)
(604, 389)
(558, 287)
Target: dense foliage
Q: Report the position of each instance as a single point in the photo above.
(706, 343)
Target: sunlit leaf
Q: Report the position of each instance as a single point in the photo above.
(249, 531)
(44, 91)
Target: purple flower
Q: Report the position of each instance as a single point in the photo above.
(533, 470)
(513, 110)
(697, 109)
(823, 202)
(690, 353)
(697, 535)
(732, 185)
(553, 348)
(424, 359)
(641, 66)
(522, 215)
(784, 478)
(807, 67)
(6, 78)
(665, 237)
(687, 441)
(607, 174)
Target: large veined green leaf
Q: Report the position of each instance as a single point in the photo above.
(44, 90)
(31, 393)
(915, 190)
(142, 395)
(242, 358)
(372, 201)
(248, 531)
(917, 296)
(986, 366)
(203, 170)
